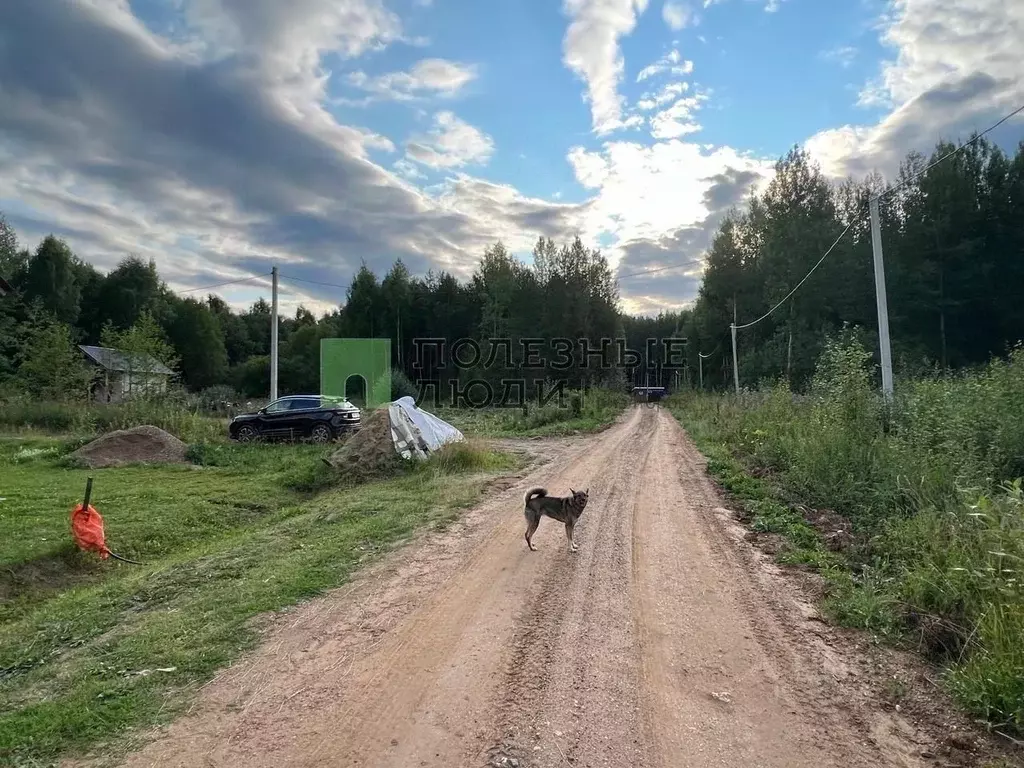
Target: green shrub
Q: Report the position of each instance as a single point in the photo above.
(402, 386)
(215, 400)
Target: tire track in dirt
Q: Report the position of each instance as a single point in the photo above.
(499, 641)
(574, 657)
(716, 691)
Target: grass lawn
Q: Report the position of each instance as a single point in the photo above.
(91, 649)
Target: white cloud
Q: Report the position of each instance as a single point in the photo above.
(368, 140)
(219, 169)
(647, 193)
(504, 213)
(288, 39)
(677, 120)
(669, 92)
(770, 6)
(940, 40)
(428, 77)
(408, 169)
(842, 55)
(451, 144)
(591, 50)
(671, 63)
(957, 69)
(677, 15)
(661, 205)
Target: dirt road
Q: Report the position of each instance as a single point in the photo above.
(663, 642)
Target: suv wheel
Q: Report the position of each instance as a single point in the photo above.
(321, 433)
(247, 434)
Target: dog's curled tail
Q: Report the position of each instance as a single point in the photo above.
(534, 492)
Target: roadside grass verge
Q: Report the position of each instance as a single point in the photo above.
(92, 420)
(90, 650)
(928, 491)
(579, 414)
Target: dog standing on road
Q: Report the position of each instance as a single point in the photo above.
(564, 509)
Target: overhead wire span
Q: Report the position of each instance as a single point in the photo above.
(797, 287)
(949, 154)
(313, 282)
(661, 269)
(226, 282)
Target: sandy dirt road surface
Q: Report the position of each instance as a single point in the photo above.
(664, 642)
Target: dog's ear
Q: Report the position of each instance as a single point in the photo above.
(572, 491)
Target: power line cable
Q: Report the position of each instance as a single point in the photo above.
(227, 282)
(949, 154)
(678, 265)
(879, 196)
(797, 287)
(661, 269)
(313, 282)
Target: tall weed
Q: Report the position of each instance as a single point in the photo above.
(90, 420)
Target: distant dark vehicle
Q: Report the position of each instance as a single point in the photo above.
(649, 394)
(313, 417)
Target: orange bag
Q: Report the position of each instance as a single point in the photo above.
(87, 528)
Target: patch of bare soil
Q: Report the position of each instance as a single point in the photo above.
(145, 444)
(48, 574)
(666, 641)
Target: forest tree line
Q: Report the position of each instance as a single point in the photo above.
(953, 245)
(953, 239)
(61, 301)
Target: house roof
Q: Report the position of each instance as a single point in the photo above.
(116, 360)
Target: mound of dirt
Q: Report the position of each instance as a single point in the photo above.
(145, 444)
(370, 452)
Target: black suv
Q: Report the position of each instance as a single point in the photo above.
(316, 417)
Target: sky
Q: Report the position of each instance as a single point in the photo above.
(223, 137)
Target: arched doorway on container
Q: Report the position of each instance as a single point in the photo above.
(355, 390)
